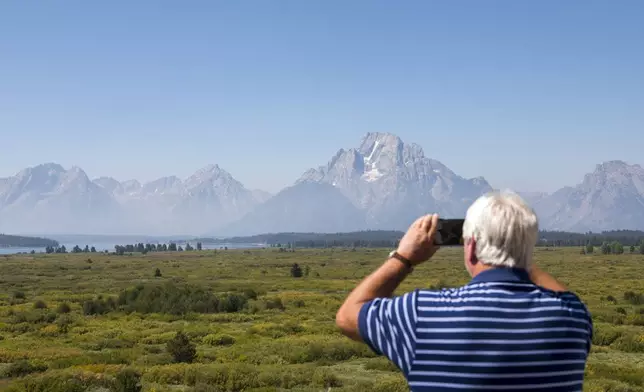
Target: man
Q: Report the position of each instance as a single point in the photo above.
(513, 327)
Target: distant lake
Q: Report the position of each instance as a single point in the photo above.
(101, 247)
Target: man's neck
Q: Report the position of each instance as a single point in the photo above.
(480, 267)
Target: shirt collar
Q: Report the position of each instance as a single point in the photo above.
(501, 274)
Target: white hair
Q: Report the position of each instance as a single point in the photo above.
(505, 229)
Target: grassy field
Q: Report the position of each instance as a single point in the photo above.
(99, 322)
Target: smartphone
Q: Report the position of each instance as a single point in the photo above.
(450, 232)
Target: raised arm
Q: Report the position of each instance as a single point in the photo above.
(417, 246)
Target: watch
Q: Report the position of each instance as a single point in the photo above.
(395, 255)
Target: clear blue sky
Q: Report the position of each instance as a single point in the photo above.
(529, 94)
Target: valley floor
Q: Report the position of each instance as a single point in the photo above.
(76, 322)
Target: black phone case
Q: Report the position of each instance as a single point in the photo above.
(450, 232)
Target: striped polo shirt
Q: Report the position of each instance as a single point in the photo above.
(500, 332)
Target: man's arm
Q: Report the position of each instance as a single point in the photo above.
(380, 284)
(543, 279)
(417, 245)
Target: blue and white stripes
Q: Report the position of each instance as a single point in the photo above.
(500, 332)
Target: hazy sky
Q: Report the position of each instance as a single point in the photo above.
(529, 94)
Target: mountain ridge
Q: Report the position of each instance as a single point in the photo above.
(382, 184)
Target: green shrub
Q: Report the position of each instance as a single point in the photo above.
(250, 294)
(63, 308)
(604, 334)
(40, 304)
(630, 343)
(382, 364)
(627, 374)
(181, 349)
(128, 380)
(64, 321)
(218, 340)
(177, 300)
(98, 306)
(634, 298)
(325, 378)
(22, 368)
(19, 295)
(392, 385)
(274, 303)
(61, 382)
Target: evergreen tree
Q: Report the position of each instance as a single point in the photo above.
(606, 248)
(642, 247)
(181, 349)
(172, 247)
(119, 250)
(93, 250)
(296, 271)
(86, 250)
(590, 248)
(617, 248)
(199, 246)
(76, 249)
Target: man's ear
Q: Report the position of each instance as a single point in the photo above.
(471, 251)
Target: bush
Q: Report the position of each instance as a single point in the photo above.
(22, 368)
(250, 294)
(64, 322)
(40, 304)
(177, 300)
(634, 298)
(325, 378)
(128, 380)
(157, 273)
(19, 295)
(98, 306)
(296, 271)
(218, 340)
(181, 349)
(630, 343)
(382, 364)
(62, 382)
(63, 308)
(604, 335)
(274, 303)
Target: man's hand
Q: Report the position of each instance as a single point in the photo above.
(417, 245)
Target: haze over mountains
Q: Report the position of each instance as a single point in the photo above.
(383, 183)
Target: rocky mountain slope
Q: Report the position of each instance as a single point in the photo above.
(50, 199)
(387, 182)
(383, 183)
(611, 197)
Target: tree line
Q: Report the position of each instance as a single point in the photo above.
(390, 238)
(25, 242)
(614, 247)
(146, 248)
(130, 248)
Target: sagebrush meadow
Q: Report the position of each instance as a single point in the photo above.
(252, 321)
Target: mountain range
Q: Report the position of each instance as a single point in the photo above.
(383, 183)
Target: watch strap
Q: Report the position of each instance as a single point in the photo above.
(397, 256)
